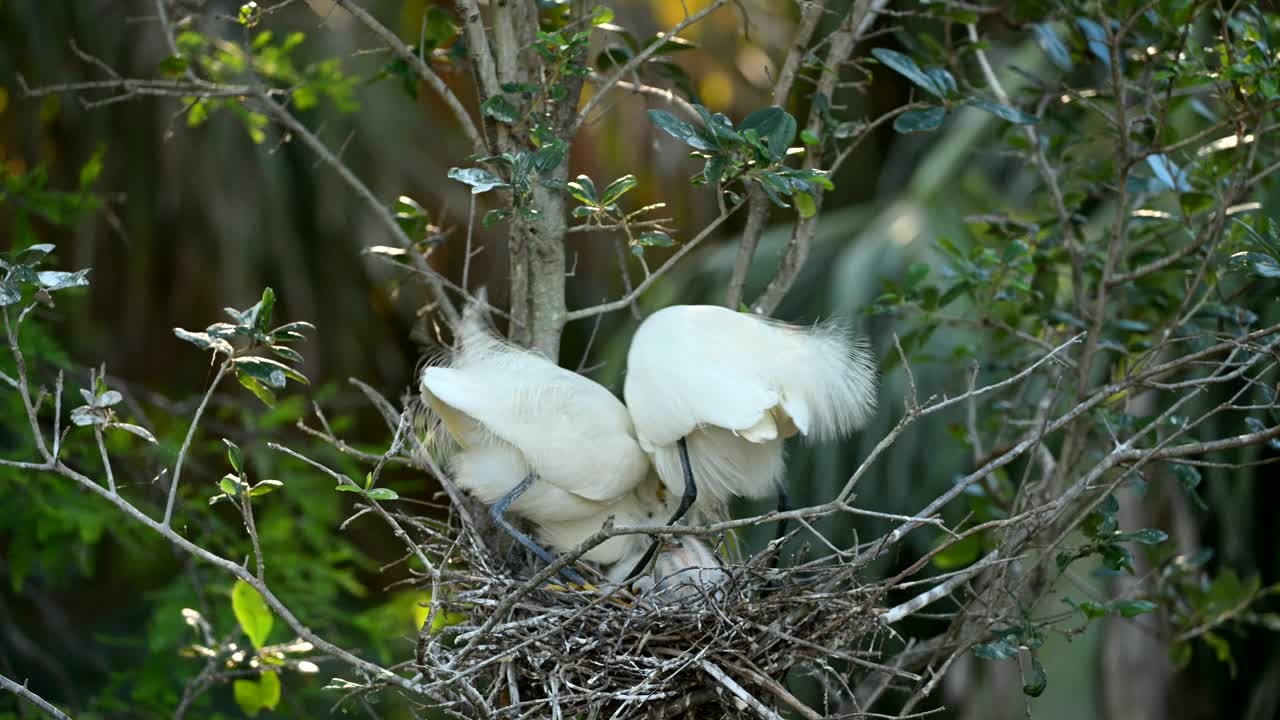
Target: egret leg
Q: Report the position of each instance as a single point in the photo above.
(686, 502)
(498, 513)
(784, 504)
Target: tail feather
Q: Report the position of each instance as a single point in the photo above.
(836, 393)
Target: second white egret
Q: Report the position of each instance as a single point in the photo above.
(714, 392)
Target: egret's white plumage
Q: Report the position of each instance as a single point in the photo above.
(511, 412)
(735, 386)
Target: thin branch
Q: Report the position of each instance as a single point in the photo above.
(404, 52)
(631, 65)
(22, 692)
(653, 277)
(186, 442)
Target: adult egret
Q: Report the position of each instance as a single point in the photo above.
(541, 441)
(714, 392)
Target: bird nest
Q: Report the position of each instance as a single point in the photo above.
(716, 645)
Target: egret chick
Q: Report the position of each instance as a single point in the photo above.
(531, 437)
(714, 392)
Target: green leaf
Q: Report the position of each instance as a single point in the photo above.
(1003, 112)
(583, 190)
(501, 109)
(234, 456)
(481, 181)
(1168, 173)
(1261, 265)
(996, 650)
(262, 392)
(203, 341)
(907, 68)
(655, 238)
(1148, 536)
(268, 371)
(617, 189)
(1052, 46)
(287, 353)
(681, 130)
(1133, 608)
(248, 696)
(254, 695)
(141, 432)
(440, 28)
(383, 494)
(1039, 679)
(809, 138)
(265, 487)
(1096, 37)
(601, 15)
(251, 612)
(250, 14)
(916, 273)
(230, 485)
(775, 128)
(805, 204)
(91, 169)
(173, 66)
(925, 120)
(959, 554)
(495, 216)
(348, 488)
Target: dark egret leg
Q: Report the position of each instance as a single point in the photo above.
(686, 502)
(498, 513)
(784, 504)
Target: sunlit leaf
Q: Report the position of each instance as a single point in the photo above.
(251, 612)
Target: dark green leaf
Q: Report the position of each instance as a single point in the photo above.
(1052, 46)
(681, 130)
(1039, 680)
(905, 66)
(996, 650)
(1004, 112)
(1261, 265)
(1132, 608)
(268, 371)
(959, 554)
(926, 120)
(1148, 536)
(775, 128)
(1096, 37)
(287, 353)
(234, 456)
(1168, 173)
(495, 216)
(655, 238)
(617, 189)
(173, 66)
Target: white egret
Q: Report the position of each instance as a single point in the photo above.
(541, 441)
(713, 393)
